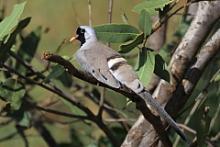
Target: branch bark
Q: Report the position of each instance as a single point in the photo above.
(182, 59)
(206, 15)
(185, 88)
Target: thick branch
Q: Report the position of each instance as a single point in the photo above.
(198, 30)
(207, 14)
(184, 90)
(141, 105)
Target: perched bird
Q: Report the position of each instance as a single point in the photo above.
(109, 67)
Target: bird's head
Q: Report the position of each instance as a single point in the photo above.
(84, 34)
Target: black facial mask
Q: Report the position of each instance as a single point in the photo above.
(81, 35)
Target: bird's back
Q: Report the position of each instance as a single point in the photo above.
(94, 57)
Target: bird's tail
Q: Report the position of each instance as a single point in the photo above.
(156, 106)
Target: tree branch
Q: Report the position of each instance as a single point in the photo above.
(184, 90)
(200, 26)
(60, 113)
(141, 105)
(45, 134)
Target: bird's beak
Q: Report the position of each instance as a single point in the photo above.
(73, 38)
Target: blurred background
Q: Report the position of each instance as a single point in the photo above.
(61, 18)
(55, 21)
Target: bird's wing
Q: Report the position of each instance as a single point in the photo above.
(106, 77)
(97, 66)
(114, 67)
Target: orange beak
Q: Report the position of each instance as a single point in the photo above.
(73, 38)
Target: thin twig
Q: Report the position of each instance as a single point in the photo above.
(101, 102)
(8, 137)
(185, 127)
(199, 99)
(62, 43)
(22, 134)
(55, 120)
(110, 10)
(21, 61)
(90, 12)
(119, 120)
(216, 137)
(160, 22)
(45, 134)
(60, 113)
(113, 112)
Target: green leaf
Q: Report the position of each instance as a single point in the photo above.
(8, 24)
(29, 45)
(125, 48)
(74, 109)
(56, 71)
(161, 68)
(28, 48)
(25, 119)
(151, 5)
(59, 73)
(216, 77)
(116, 33)
(145, 66)
(66, 79)
(12, 92)
(145, 23)
(5, 47)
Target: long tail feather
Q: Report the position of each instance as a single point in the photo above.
(156, 106)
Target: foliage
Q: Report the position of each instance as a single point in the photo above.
(8, 24)
(145, 23)
(116, 33)
(151, 6)
(13, 92)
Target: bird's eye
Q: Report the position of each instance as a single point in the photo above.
(82, 31)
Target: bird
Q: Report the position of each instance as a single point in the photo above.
(109, 67)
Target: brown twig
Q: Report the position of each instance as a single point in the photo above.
(10, 136)
(20, 131)
(61, 113)
(110, 10)
(113, 112)
(90, 12)
(164, 19)
(183, 126)
(46, 135)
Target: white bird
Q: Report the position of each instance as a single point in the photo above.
(109, 67)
